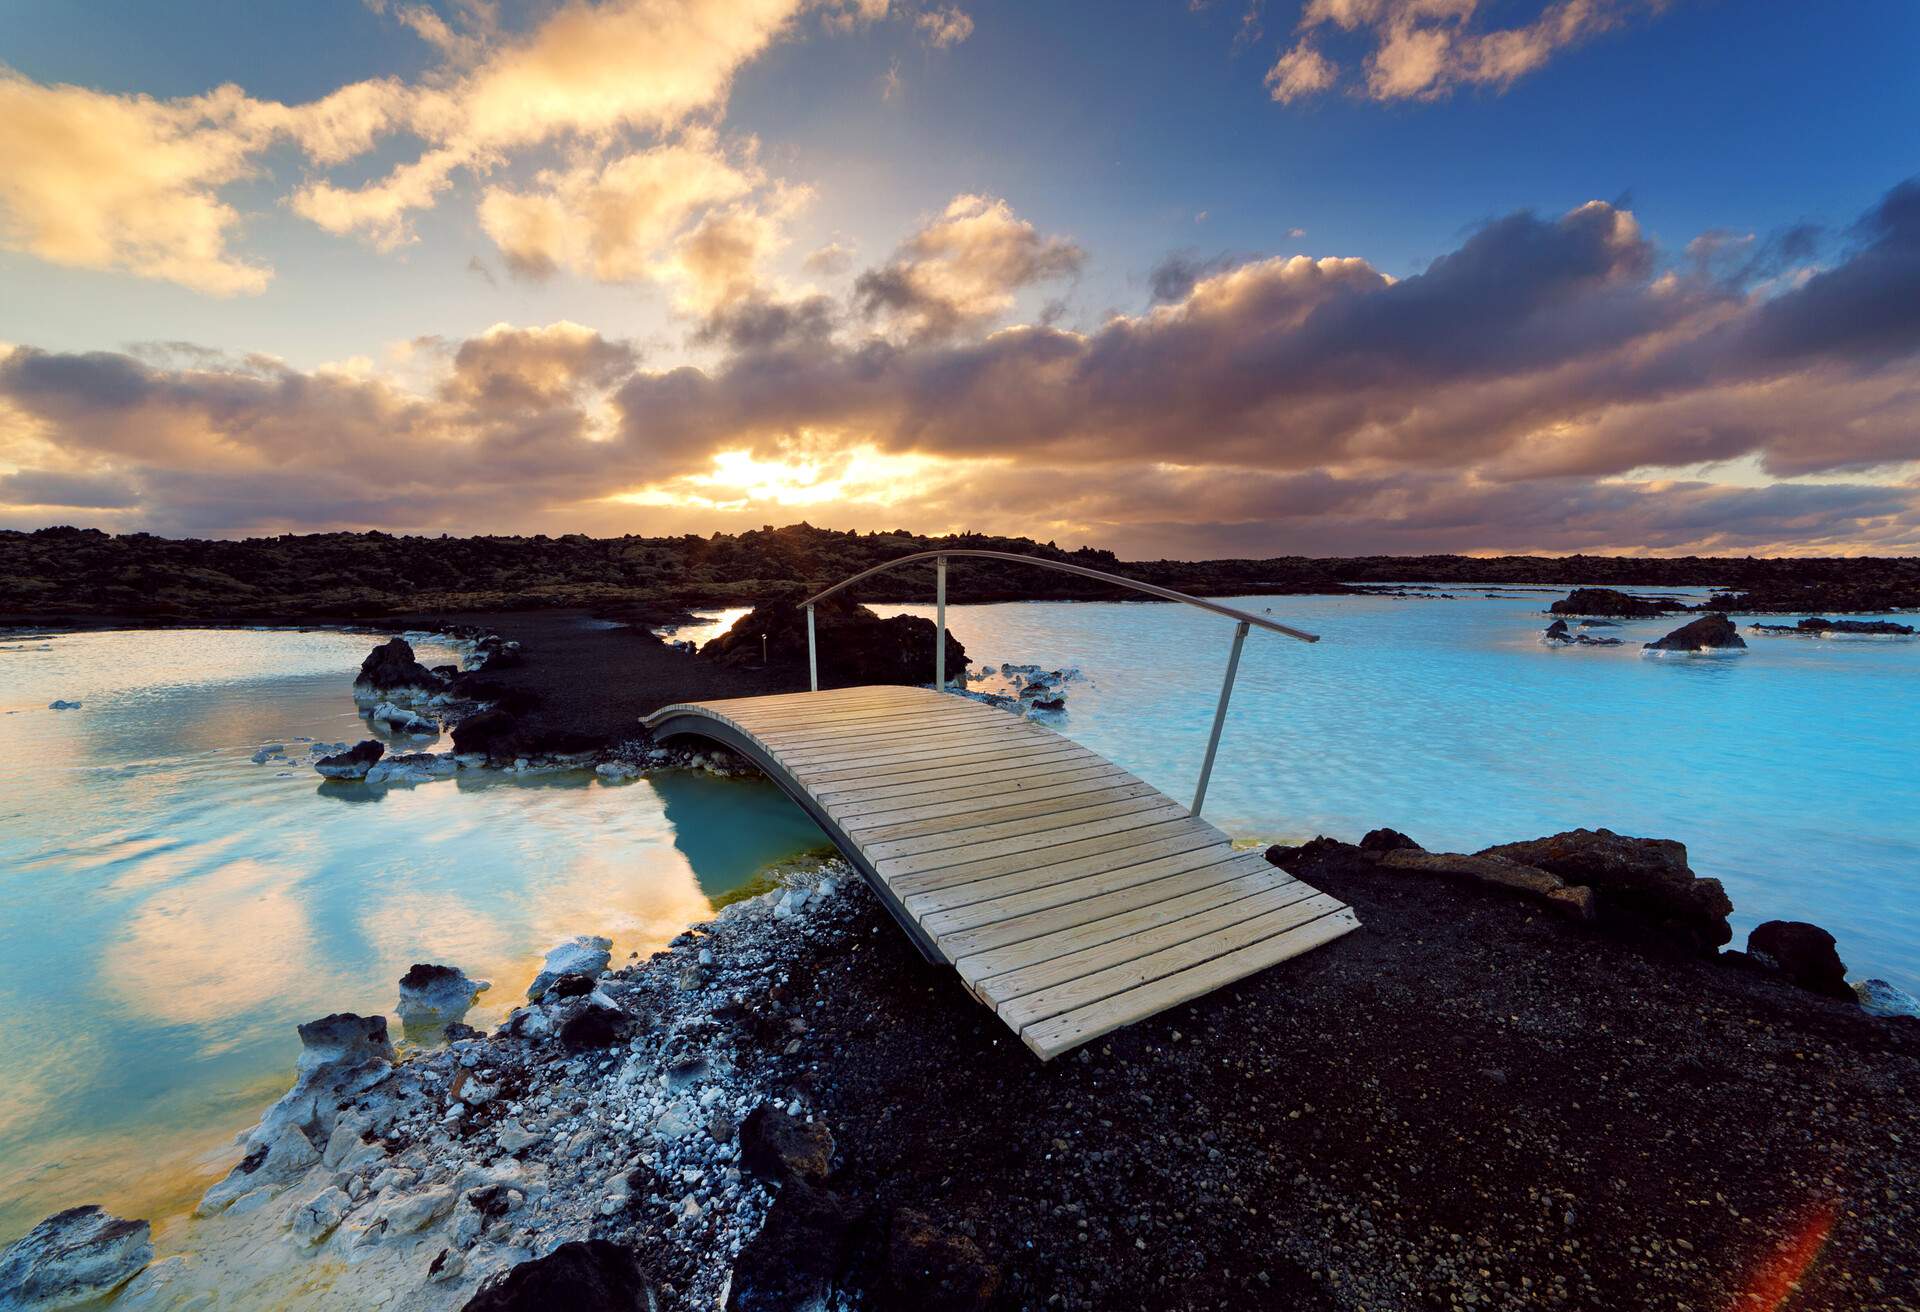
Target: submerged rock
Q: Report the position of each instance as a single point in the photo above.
(433, 997)
(72, 1257)
(1804, 953)
(1643, 885)
(1558, 632)
(1709, 632)
(398, 719)
(584, 954)
(61, 704)
(351, 764)
(413, 768)
(1611, 601)
(587, 1275)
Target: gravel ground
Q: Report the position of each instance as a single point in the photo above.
(1467, 1104)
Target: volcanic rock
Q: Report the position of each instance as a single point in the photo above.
(1709, 631)
(855, 645)
(391, 672)
(1802, 952)
(938, 1270)
(799, 1249)
(341, 1057)
(433, 997)
(1610, 601)
(72, 1257)
(351, 764)
(1388, 840)
(1643, 885)
(584, 954)
(586, 1275)
(1817, 627)
(1572, 901)
(782, 1147)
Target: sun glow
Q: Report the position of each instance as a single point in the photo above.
(808, 476)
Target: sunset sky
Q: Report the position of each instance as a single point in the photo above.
(1176, 277)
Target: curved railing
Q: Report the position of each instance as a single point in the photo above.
(1243, 621)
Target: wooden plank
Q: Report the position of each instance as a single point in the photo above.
(821, 776)
(1003, 856)
(1220, 877)
(997, 921)
(816, 712)
(954, 884)
(825, 697)
(1039, 964)
(1062, 1033)
(807, 704)
(918, 723)
(881, 750)
(1096, 986)
(921, 781)
(962, 836)
(923, 905)
(854, 803)
(975, 812)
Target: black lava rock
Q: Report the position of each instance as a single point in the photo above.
(595, 1027)
(1804, 953)
(1388, 840)
(1708, 631)
(801, 1247)
(587, 1275)
(392, 666)
(782, 1147)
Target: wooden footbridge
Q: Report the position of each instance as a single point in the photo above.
(1069, 896)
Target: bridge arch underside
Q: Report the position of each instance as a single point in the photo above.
(1069, 896)
(700, 726)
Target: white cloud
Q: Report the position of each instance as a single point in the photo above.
(1425, 49)
(944, 27)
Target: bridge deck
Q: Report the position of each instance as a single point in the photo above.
(1070, 897)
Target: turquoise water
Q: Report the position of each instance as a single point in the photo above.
(170, 910)
(1789, 772)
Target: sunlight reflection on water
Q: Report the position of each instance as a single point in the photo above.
(170, 910)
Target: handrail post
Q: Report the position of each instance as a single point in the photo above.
(940, 624)
(813, 660)
(1219, 716)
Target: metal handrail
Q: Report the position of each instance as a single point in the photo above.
(1152, 589)
(939, 558)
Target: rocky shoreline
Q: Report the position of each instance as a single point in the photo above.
(1482, 1100)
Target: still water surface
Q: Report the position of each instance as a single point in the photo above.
(169, 910)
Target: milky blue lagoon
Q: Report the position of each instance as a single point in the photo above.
(170, 910)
